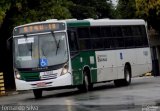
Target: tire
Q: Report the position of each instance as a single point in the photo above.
(127, 77)
(87, 85)
(37, 93)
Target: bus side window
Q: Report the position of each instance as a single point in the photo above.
(84, 38)
(73, 45)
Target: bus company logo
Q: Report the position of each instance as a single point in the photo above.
(145, 53)
(102, 58)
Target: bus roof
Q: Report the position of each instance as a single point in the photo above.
(104, 22)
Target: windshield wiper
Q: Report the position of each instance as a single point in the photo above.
(57, 43)
(58, 46)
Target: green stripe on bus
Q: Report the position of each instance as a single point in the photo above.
(30, 76)
(79, 23)
(78, 63)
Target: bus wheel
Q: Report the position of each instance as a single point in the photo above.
(86, 86)
(127, 76)
(37, 93)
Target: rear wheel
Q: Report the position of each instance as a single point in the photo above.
(37, 93)
(127, 78)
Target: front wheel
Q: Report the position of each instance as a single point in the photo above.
(87, 85)
(37, 93)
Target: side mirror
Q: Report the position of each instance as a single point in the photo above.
(9, 43)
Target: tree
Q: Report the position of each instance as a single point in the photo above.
(4, 6)
(126, 9)
(82, 9)
(150, 11)
(18, 12)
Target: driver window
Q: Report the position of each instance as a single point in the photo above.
(73, 45)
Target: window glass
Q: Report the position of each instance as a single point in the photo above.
(83, 32)
(138, 41)
(129, 42)
(106, 32)
(73, 45)
(84, 44)
(119, 42)
(108, 43)
(116, 31)
(97, 43)
(136, 30)
(145, 41)
(95, 32)
(127, 30)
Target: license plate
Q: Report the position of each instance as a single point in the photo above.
(41, 84)
(46, 73)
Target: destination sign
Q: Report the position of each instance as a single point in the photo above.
(37, 28)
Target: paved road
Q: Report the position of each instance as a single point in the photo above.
(143, 93)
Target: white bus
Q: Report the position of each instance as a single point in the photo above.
(79, 53)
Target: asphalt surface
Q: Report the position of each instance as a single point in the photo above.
(142, 95)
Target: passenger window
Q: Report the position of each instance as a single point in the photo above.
(116, 32)
(127, 31)
(95, 32)
(106, 32)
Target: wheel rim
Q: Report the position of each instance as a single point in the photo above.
(86, 82)
(127, 76)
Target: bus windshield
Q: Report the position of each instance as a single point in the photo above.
(48, 49)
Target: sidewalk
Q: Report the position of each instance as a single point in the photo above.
(14, 92)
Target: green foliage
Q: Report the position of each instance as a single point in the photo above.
(18, 12)
(150, 11)
(39, 10)
(4, 6)
(126, 9)
(91, 9)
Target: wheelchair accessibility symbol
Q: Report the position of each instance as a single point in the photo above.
(43, 62)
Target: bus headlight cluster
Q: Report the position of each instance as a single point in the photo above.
(65, 69)
(17, 75)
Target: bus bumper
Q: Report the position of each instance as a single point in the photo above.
(64, 80)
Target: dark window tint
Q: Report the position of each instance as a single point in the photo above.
(136, 30)
(127, 31)
(83, 32)
(97, 43)
(138, 41)
(145, 41)
(120, 42)
(108, 43)
(95, 32)
(84, 44)
(106, 32)
(143, 30)
(116, 31)
(73, 44)
(129, 42)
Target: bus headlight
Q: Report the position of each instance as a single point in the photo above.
(17, 75)
(64, 70)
